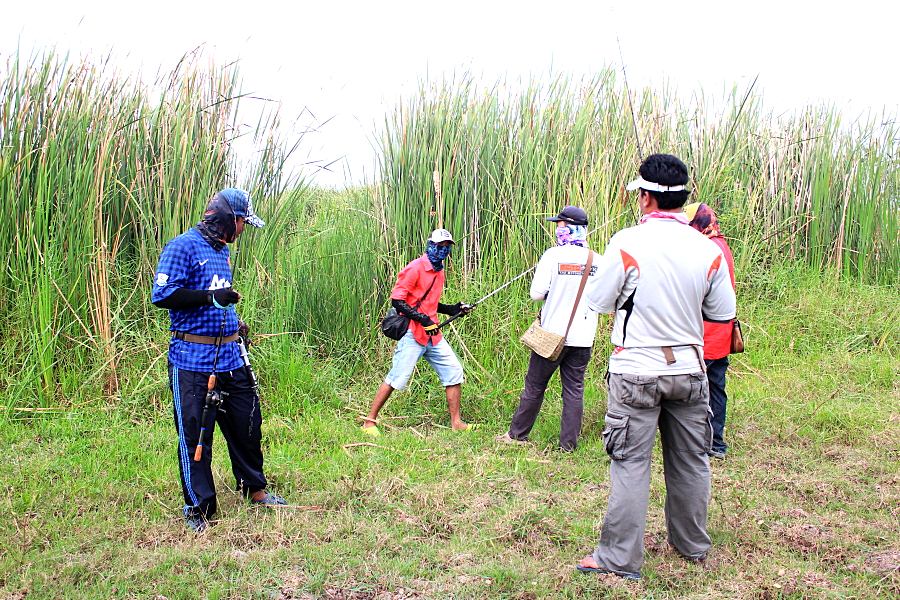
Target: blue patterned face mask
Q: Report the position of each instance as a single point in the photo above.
(437, 254)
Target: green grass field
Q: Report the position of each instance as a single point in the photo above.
(99, 169)
(805, 506)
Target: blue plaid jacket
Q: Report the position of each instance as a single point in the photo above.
(188, 261)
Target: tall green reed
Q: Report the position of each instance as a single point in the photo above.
(491, 163)
(804, 186)
(98, 171)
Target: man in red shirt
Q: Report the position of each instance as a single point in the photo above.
(416, 295)
(716, 334)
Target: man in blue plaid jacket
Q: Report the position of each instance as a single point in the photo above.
(193, 281)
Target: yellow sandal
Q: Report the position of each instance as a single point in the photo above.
(371, 430)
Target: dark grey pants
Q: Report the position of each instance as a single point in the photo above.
(572, 363)
(638, 404)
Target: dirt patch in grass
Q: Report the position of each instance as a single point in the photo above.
(883, 563)
(815, 581)
(806, 538)
(291, 590)
(161, 535)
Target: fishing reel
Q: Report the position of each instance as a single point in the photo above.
(215, 397)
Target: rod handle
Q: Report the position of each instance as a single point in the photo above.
(457, 315)
(198, 453)
(453, 318)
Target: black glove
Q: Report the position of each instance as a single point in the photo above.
(224, 297)
(244, 332)
(455, 309)
(429, 326)
(450, 309)
(405, 309)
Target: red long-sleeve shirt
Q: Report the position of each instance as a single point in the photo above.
(412, 283)
(717, 336)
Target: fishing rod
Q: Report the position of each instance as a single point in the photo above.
(637, 136)
(214, 397)
(245, 356)
(467, 308)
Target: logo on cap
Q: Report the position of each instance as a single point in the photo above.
(441, 235)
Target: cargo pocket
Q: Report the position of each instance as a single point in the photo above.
(640, 391)
(615, 434)
(699, 388)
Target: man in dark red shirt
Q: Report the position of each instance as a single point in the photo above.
(416, 295)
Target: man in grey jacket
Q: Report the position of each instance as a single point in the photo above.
(661, 278)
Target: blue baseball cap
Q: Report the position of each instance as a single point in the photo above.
(240, 203)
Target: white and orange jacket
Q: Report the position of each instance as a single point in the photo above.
(661, 278)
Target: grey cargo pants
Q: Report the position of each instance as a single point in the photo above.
(679, 405)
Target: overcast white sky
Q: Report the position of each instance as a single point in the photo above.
(354, 60)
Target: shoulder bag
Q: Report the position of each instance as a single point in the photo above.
(395, 324)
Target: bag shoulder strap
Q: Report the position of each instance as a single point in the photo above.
(425, 295)
(584, 277)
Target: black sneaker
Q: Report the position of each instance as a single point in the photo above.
(269, 499)
(196, 523)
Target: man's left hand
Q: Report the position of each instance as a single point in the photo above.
(456, 309)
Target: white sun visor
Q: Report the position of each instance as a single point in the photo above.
(642, 183)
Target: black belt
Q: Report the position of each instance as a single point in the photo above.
(204, 339)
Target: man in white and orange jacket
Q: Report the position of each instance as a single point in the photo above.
(660, 278)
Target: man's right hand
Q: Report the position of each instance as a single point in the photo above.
(225, 297)
(244, 332)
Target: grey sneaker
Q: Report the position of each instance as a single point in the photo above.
(717, 454)
(196, 523)
(506, 439)
(602, 571)
(269, 499)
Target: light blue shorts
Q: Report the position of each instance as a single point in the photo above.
(440, 356)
